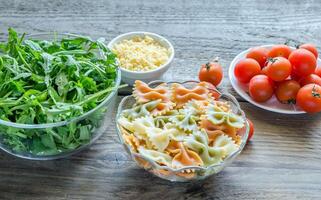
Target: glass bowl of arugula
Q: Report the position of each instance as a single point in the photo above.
(57, 92)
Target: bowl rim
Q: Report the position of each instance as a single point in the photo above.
(139, 33)
(68, 121)
(176, 170)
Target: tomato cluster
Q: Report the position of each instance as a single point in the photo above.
(292, 75)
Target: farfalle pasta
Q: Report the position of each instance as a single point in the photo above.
(189, 129)
(143, 93)
(182, 95)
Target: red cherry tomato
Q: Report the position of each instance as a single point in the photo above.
(245, 69)
(264, 71)
(318, 71)
(303, 62)
(312, 78)
(309, 98)
(261, 88)
(295, 76)
(251, 132)
(310, 47)
(286, 91)
(211, 72)
(259, 54)
(280, 50)
(278, 69)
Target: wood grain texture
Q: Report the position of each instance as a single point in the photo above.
(282, 162)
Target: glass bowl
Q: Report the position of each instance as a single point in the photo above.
(178, 175)
(96, 119)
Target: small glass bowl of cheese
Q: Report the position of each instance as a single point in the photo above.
(142, 56)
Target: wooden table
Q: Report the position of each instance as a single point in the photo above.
(282, 162)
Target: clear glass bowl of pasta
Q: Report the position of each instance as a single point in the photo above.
(197, 140)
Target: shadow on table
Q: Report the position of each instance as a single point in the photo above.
(81, 177)
(303, 128)
(148, 186)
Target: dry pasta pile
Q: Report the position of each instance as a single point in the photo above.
(178, 127)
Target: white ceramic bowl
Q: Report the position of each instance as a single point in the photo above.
(128, 76)
(272, 104)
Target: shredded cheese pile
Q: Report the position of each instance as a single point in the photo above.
(141, 54)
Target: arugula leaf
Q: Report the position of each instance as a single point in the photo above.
(52, 81)
(48, 140)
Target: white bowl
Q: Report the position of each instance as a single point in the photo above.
(272, 104)
(128, 76)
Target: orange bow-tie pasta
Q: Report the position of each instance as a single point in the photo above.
(185, 157)
(143, 93)
(213, 130)
(175, 126)
(182, 95)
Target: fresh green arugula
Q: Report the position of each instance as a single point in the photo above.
(52, 81)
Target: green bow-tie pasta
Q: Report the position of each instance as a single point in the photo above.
(159, 157)
(216, 115)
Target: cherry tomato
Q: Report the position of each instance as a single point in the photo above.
(312, 78)
(318, 71)
(251, 132)
(261, 88)
(259, 54)
(310, 47)
(214, 92)
(264, 71)
(295, 76)
(303, 62)
(278, 69)
(286, 91)
(309, 98)
(211, 72)
(280, 50)
(245, 69)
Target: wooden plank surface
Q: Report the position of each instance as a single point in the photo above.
(282, 162)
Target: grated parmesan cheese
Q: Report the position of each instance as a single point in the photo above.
(141, 54)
